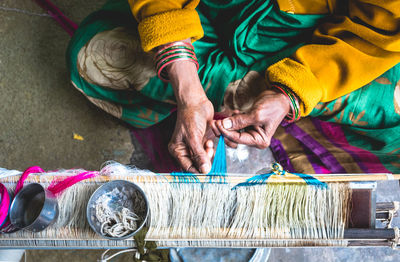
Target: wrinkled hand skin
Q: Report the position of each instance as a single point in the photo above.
(260, 123)
(191, 141)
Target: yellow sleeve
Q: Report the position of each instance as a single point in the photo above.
(164, 21)
(344, 54)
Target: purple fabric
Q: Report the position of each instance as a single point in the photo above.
(367, 161)
(337, 139)
(325, 156)
(315, 162)
(280, 155)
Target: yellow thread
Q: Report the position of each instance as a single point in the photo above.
(78, 137)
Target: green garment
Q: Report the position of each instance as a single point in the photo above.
(239, 36)
(242, 36)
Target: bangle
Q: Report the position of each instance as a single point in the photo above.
(172, 57)
(162, 75)
(175, 44)
(294, 115)
(173, 52)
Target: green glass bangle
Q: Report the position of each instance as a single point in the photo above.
(173, 53)
(293, 100)
(173, 58)
(175, 47)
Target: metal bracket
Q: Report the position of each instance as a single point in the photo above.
(395, 242)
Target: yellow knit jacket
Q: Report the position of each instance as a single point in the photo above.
(361, 43)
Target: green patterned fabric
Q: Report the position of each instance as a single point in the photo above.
(370, 117)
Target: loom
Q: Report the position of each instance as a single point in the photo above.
(231, 211)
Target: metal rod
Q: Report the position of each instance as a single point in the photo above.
(361, 233)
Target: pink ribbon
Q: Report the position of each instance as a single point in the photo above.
(57, 187)
(30, 170)
(5, 197)
(69, 26)
(4, 205)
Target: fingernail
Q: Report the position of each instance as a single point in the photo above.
(227, 123)
(205, 168)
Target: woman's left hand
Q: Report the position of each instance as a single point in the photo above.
(260, 123)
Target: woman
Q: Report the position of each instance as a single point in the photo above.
(259, 62)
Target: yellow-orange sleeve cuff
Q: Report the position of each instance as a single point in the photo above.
(168, 27)
(299, 79)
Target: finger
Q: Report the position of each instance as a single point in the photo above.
(239, 137)
(210, 152)
(230, 143)
(262, 141)
(182, 156)
(237, 122)
(209, 147)
(214, 128)
(199, 157)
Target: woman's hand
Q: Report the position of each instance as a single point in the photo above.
(260, 123)
(190, 143)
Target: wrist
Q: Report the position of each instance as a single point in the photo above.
(290, 98)
(186, 84)
(190, 95)
(180, 52)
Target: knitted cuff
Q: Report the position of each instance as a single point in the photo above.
(168, 27)
(298, 79)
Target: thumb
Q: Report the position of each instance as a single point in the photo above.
(237, 122)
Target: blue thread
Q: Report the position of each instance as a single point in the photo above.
(218, 168)
(277, 169)
(182, 177)
(255, 180)
(217, 173)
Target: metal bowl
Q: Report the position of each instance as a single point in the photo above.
(33, 208)
(131, 197)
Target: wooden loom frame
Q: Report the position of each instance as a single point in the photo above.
(354, 236)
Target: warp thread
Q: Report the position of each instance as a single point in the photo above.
(278, 170)
(217, 173)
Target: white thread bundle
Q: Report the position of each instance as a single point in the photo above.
(117, 222)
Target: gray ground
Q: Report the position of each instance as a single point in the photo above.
(40, 111)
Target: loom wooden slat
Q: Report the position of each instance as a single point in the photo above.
(362, 214)
(385, 206)
(369, 243)
(361, 233)
(355, 237)
(382, 215)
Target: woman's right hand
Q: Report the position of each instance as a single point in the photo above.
(191, 142)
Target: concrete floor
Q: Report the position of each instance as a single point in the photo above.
(40, 111)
